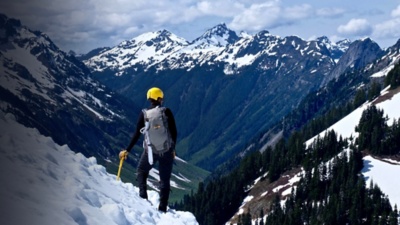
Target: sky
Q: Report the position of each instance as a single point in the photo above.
(43, 183)
(83, 25)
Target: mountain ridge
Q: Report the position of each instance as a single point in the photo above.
(243, 76)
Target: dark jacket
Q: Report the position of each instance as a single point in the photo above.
(140, 125)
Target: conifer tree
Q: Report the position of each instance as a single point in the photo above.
(393, 77)
(374, 91)
(359, 98)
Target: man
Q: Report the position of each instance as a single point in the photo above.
(165, 159)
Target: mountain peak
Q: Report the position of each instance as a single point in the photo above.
(219, 35)
(323, 39)
(164, 33)
(218, 30)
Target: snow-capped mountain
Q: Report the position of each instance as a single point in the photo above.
(147, 49)
(218, 36)
(359, 54)
(44, 183)
(337, 49)
(244, 73)
(165, 50)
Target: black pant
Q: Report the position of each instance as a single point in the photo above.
(165, 162)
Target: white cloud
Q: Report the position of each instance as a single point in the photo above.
(356, 27)
(330, 12)
(297, 12)
(396, 12)
(230, 8)
(105, 22)
(388, 29)
(257, 17)
(268, 15)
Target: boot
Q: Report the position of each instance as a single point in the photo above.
(142, 183)
(162, 208)
(164, 195)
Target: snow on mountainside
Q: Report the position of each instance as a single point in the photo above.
(51, 90)
(148, 48)
(165, 50)
(45, 183)
(337, 49)
(218, 36)
(33, 64)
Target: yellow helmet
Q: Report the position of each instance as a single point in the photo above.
(155, 93)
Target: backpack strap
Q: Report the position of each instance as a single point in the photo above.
(144, 114)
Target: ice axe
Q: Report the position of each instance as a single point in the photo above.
(120, 167)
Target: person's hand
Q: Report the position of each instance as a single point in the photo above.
(123, 154)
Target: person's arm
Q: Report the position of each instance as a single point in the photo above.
(136, 135)
(171, 124)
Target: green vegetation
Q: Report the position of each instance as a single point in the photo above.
(393, 77)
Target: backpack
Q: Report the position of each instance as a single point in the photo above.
(156, 131)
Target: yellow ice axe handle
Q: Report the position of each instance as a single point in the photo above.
(120, 167)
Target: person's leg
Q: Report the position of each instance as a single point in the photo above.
(142, 173)
(165, 167)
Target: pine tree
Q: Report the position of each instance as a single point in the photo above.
(393, 217)
(393, 77)
(374, 91)
(359, 98)
(371, 120)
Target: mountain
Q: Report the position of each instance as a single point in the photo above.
(145, 50)
(50, 90)
(51, 184)
(224, 88)
(337, 49)
(54, 92)
(218, 36)
(92, 53)
(359, 54)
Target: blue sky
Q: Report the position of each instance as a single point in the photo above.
(82, 25)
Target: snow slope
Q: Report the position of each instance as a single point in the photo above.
(346, 126)
(382, 173)
(44, 183)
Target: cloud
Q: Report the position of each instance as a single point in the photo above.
(230, 8)
(76, 21)
(269, 15)
(257, 17)
(356, 27)
(388, 29)
(85, 25)
(330, 12)
(396, 12)
(297, 12)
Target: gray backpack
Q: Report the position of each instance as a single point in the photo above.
(156, 131)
